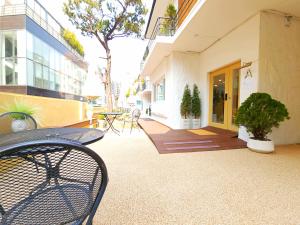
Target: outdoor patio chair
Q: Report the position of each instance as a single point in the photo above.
(16, 121)
(135, 115)
(50, 182)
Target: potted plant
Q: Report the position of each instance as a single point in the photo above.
(101, 121)
(185, 108)
(259, 114)
(196, 108)
(19, 122)
(168, 23)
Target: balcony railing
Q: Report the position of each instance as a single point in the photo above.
(166, 26)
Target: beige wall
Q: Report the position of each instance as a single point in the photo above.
(280, 71)
(50, 112)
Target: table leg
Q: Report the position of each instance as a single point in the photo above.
(111, 126)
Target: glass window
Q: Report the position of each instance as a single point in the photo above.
(57, 82)
(8, 42)
(29, 45)
(38, 75)
(30, 74)
(37, 50)
(160, 90)
(46, 77)
(52, 80)
(11, 77)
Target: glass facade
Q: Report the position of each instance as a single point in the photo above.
(28, 60)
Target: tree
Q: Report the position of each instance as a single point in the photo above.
(168, 24)
(185, 107)
(106, 20)
(196, 104)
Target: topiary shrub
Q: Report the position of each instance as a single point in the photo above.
(196, 103)
(260, 113)
(185, 107)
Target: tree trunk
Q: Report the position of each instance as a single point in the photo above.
(108, 82)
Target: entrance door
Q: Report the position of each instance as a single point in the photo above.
(224, 96)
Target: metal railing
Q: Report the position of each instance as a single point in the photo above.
(25, 9)
(166, 26)
(163, 27)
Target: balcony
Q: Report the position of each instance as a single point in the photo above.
(167, 27)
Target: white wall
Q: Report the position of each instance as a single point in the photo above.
(179, 69)
(280, 71)
(184, 69)
(188, 68)
(161, 107)
(241, 44)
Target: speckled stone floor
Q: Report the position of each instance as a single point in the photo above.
(232, 187)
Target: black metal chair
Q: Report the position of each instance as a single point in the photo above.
(6, 121)
(135, 115)
(50, 182)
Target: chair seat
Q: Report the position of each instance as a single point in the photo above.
(54, 205)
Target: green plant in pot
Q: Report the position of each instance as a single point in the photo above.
(259, 114)
(185, 108)
(196, 108)
(168, 23)
(19, 122)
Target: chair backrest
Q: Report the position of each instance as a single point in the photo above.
(50, 182)
(136, 113)
(16, 121)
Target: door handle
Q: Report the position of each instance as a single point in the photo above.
(226, 97)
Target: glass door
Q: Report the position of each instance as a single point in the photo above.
(224, 96)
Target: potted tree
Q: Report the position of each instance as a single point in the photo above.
(185, 108)
(259, 114)
(19, 122)
(196, 108)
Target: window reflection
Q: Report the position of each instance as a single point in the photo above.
(43, 67)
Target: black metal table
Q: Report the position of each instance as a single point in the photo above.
(83, 136)
(110, 121)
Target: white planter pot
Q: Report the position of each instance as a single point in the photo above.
(260, 146)
(185, 123)
(18, 125)
(102, 123)
(196, 123)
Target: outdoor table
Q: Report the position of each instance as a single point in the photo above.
(111, 120)
(83, 136)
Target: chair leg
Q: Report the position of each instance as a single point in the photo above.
(131, 127)
(123, 126)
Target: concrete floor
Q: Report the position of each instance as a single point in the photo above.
(233, 187)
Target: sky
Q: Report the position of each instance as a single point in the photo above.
(126, 52)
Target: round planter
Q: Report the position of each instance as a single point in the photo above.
(18, 125)
(260, 146)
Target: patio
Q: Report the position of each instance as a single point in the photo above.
(216, 187)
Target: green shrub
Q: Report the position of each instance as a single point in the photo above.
(101, 117)
(196, 103)
(185, 107)
(260, 113)
(71, 38)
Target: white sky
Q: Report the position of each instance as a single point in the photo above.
(126, 52)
